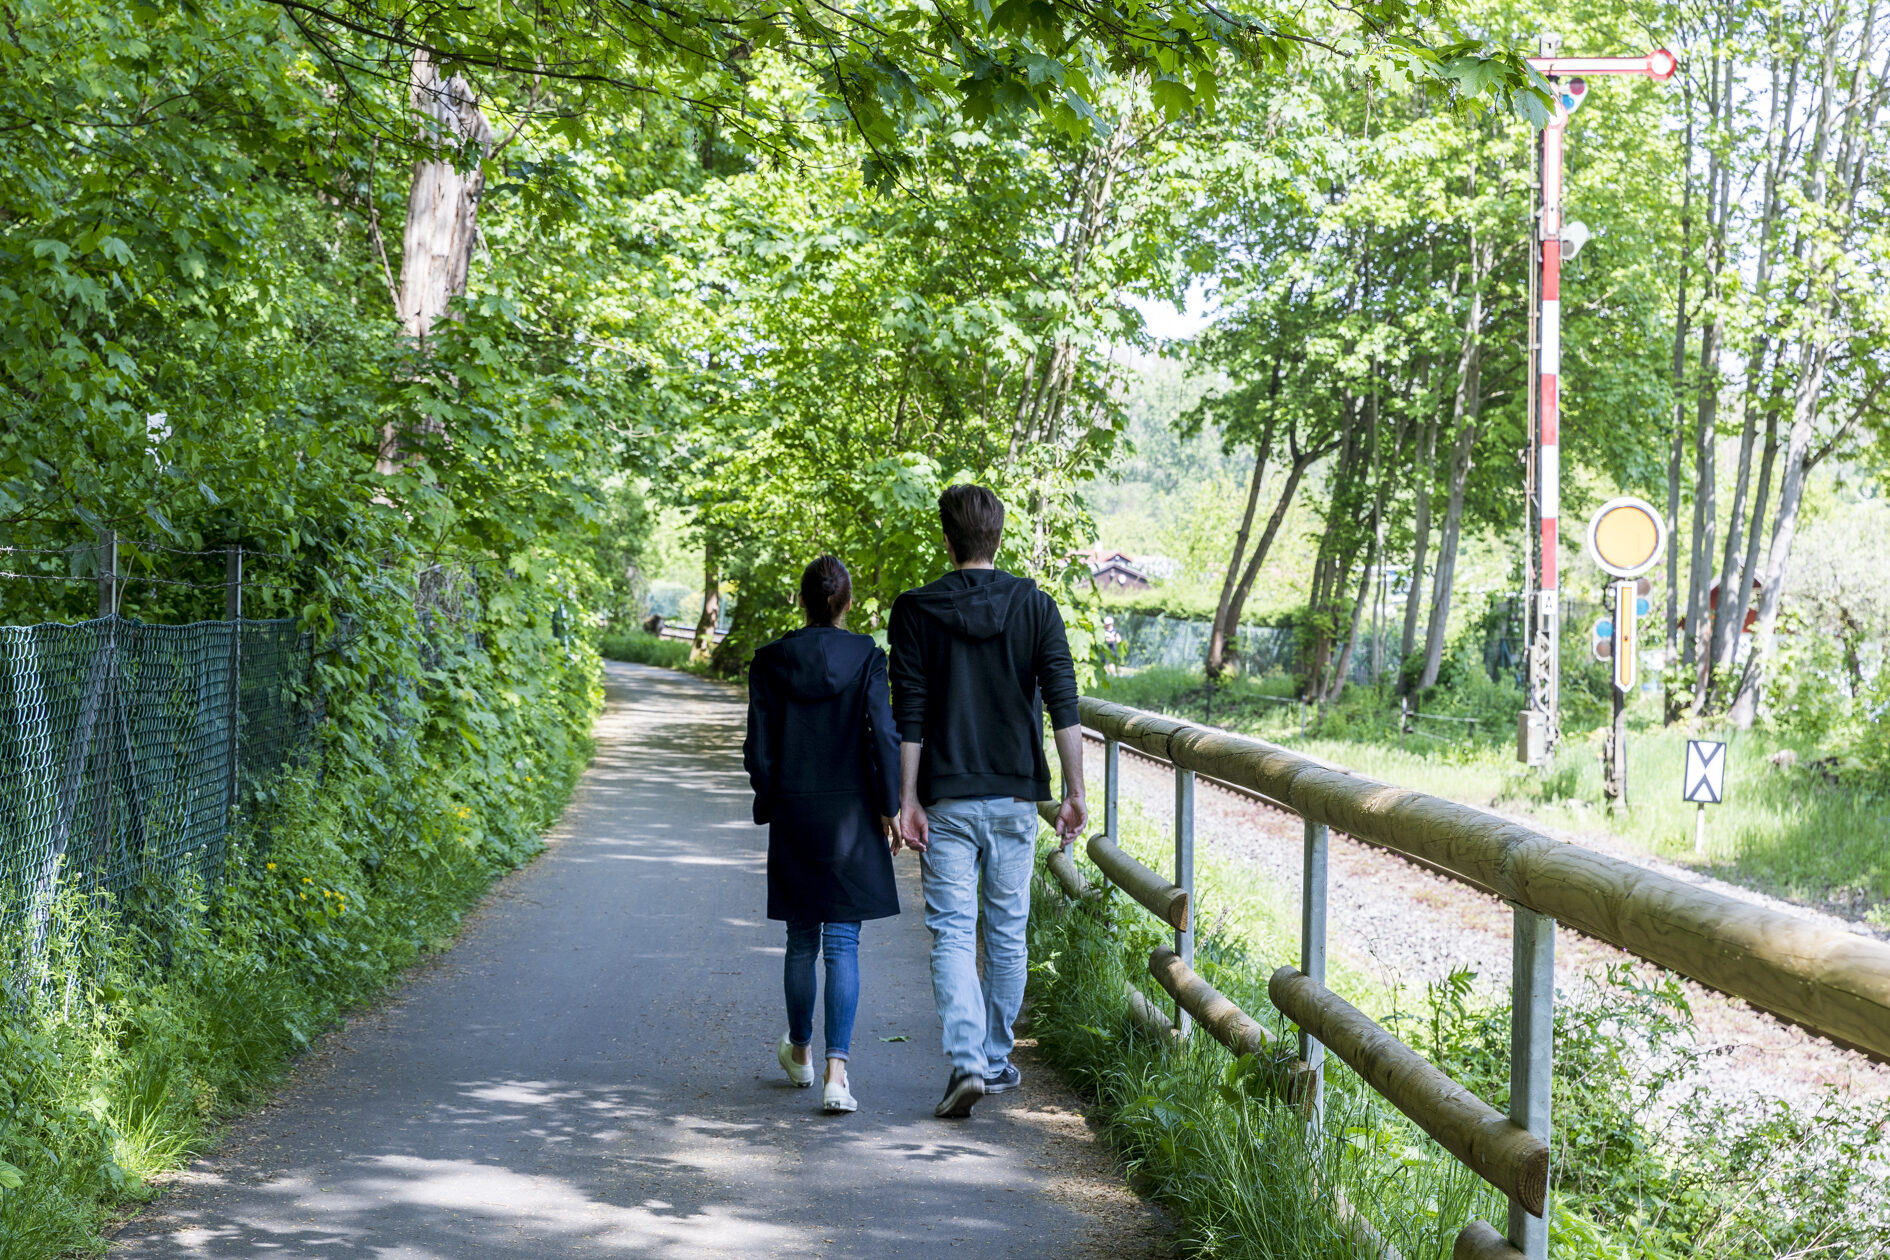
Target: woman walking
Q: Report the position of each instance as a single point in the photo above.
(823, 756)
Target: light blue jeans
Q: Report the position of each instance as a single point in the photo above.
(980, 855)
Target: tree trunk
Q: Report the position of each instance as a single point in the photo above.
(1822, 293)
(1375, 470)
(704, 645)
(1745, 706)
(436, 247)
(1677, 453)
(1225, 629)
(1466, 408)
(1302, 460)
(1421, 540)
(1447, 555)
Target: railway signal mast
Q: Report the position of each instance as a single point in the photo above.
(1538, 728)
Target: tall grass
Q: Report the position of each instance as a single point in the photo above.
(1644, 1165)
(642, 648)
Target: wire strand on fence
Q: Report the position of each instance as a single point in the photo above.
(249, 553)
(132, 579)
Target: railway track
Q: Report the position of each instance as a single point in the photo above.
(1278, 807)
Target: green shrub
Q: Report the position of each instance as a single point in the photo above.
(642, 648)
(140, 1024)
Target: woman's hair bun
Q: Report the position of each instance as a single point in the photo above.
(826, 591)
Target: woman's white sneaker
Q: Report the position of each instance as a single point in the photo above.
(837, 1097)
(801, 1074)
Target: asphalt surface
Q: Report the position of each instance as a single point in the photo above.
(590, 1070)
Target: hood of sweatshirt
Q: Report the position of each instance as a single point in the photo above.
(973, 603)
(815, 663)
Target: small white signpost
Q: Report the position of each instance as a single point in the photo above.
(1704, 783)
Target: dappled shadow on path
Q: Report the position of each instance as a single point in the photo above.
(589, 1071)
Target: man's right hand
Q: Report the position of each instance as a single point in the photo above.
(1071, 816)
(913, 827)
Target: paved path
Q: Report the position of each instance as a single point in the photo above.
(590, 1071)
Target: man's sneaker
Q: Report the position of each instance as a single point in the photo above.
(962, 1093)
(1004, 1080)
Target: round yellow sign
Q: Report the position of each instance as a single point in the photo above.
(1626, 537)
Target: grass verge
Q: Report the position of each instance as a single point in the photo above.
(1646, 1165)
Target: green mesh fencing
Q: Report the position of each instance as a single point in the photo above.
(124, 747)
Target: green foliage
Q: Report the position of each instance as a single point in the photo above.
(643, 649)
(145, 1023)
(883, 71)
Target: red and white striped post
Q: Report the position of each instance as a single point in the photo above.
(1541, 729)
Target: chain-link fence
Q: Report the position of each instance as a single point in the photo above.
(1178, 643)
(124, 747)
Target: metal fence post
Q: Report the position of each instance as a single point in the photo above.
(1531, 1054)
(1312, 959)
(1112, 764)
(1184, 879)
(233, 613)
(107, 572)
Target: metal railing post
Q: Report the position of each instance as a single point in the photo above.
(1112, 765)
(1312, 959)
(1531, 1054)
(1184, 879)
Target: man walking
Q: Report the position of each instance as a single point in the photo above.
(976, 658)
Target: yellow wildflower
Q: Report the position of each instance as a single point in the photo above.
(271, 865)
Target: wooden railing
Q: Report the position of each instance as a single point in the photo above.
(1832, 982)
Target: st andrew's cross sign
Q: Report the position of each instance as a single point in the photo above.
(1705, 779)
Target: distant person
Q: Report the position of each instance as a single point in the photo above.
(976, 657)
(1112, 642)
(823, 756)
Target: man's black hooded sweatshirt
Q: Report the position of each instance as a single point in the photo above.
(976, 657)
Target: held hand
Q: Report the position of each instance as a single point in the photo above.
(889, 832)
(1071, 816)
(913, 827)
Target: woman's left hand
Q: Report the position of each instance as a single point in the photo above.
(889, 829)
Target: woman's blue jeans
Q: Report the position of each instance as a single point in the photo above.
(842, 948)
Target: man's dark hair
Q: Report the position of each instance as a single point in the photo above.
(973, 519)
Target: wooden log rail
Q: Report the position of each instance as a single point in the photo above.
(1479, 1242)
(1484, 1140)
(1163, 899)
(1062, 868)
(1212, 1009)
(1832, 982)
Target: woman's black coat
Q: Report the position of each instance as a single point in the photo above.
(823, 755)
